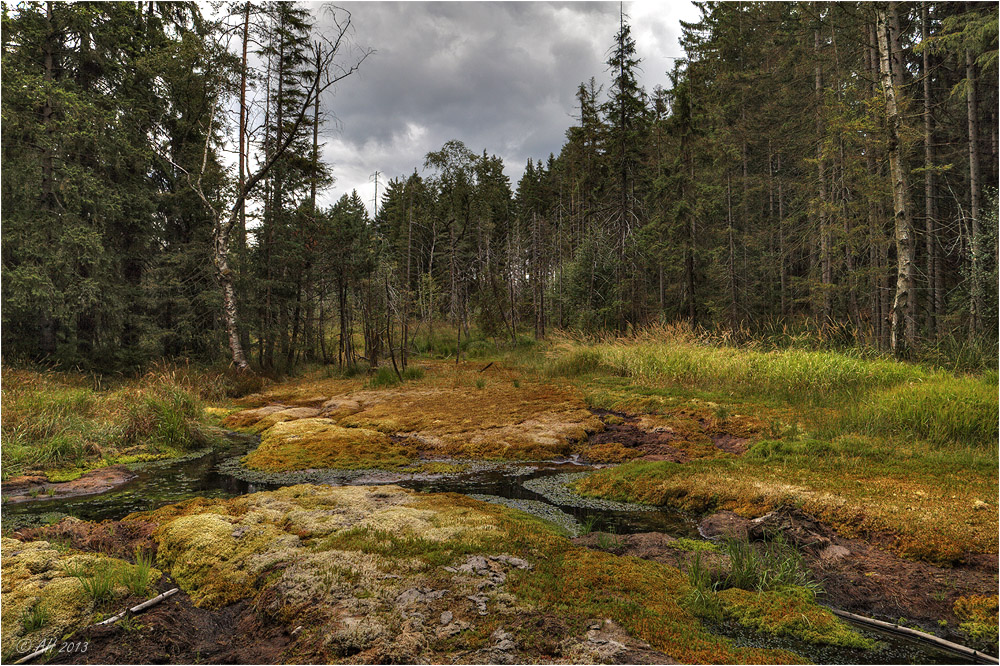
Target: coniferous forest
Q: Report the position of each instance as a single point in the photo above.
(812, 167)
(714, 383)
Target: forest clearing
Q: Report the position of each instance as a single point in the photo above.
(714, 382)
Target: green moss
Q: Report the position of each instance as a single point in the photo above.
(977, 616)
(790, 611)
(312, 443)
(694, 545)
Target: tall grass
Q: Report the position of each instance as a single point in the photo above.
(878, 396)
(942, 410)
(769, 566)
(139, 577)
(98, 581)
(793, 374)
(59, 420)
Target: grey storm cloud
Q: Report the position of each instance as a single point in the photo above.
(500, 76)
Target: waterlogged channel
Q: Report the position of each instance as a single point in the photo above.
(537, 488)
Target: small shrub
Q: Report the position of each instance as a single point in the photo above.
(480, 384)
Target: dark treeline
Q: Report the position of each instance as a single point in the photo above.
(811, 162)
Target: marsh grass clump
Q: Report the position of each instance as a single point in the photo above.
(575, 363)
(383, 378)
(796, 375)
(60, 423)
(700, 598)
(768, 589)
(944, 410)
(764, 567)
(138, 578)
(413, 373)
(36, 617)
(386, 377)
(98, 580)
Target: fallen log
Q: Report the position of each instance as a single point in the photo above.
(919, 635)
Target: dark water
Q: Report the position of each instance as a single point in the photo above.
(159, 484)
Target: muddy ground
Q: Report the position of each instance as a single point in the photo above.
(26, 488)
(857, 576)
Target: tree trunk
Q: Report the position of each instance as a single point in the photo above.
(222, 236)
(825, 242)
(975, 192)
(902, 335)
(243, 122)
(930, 234)
(731, 260)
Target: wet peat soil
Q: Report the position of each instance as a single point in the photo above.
(39, 488)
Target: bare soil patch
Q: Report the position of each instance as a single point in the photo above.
(27, 488)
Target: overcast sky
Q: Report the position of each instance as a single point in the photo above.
(500, 76)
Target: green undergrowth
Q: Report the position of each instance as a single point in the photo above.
(874, 396)
(60, 425)
(765, 587)
(873, 446)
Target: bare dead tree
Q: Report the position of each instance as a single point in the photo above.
(227, 213)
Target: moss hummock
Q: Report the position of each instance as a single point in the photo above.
(311, 443)
(790, 611)
(44, 597)
(350, 564)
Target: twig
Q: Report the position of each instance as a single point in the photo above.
(487, 366)
(135, 609)
(111, 620)
(930, 638)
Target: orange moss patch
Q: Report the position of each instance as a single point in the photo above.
(922, 512)
(611, 452)
(447, 414)
(312, 443)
